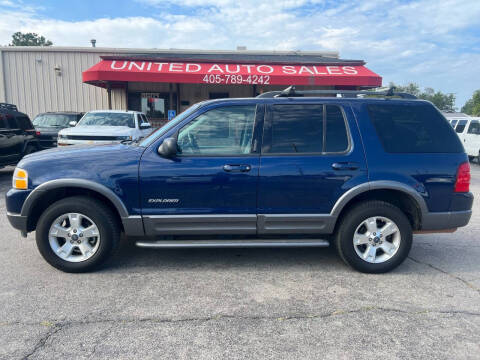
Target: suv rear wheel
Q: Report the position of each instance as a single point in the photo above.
(374, 237)
(77, 234)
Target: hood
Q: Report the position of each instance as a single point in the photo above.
(97, 130)
(90, 162)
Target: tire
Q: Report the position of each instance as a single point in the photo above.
(372, 256)
(29, 150)
(83, 210)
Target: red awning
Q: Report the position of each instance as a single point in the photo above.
(228, 73)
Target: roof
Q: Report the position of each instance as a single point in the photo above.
(138, 51)
(239, 57)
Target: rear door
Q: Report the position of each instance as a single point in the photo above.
(311, 155)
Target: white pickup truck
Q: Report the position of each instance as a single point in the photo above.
(106, 127)
(468, 130)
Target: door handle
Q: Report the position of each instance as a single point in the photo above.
(345, 166)
(237, 168)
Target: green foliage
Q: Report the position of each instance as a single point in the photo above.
(472, 106)
(445, 102)
(29, 39)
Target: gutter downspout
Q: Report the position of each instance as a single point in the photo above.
(3, 85)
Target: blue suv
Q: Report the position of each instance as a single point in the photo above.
(361, 170)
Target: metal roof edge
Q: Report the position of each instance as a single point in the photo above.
(139, 51)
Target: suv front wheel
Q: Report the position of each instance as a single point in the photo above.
(374, 237)
(77, 234)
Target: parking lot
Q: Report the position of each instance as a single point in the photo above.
(242, 303)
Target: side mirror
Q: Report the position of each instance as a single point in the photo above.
(72, 123)
(145, 126)
(168, 148)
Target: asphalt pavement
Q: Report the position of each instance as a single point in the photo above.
(242, 303)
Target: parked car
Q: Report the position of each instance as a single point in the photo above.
(106, 127)
(468, 131)
(49, 124)
(17, 135)
(276, 170)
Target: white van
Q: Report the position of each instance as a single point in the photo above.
(468, 131)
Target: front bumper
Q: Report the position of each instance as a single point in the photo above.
(18, 221)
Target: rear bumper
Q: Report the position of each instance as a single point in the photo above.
(446, 220)
(18, 221)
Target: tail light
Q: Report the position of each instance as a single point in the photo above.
(38, 133)
(462, 183)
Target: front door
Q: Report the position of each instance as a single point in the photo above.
(308, 156)
(210, 187)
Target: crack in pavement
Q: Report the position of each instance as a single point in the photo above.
(57, 326)
(470, 285)
(43, 340)
(61, 324)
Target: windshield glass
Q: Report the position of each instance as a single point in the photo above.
(107, 119)
(53, 120)
(177, 119)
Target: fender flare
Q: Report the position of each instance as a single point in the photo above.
(379, 185)
(78, 183)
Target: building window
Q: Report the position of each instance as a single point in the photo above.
(154, 105)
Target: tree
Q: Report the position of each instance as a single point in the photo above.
(441, 100)
(472, 106)
(29, 39)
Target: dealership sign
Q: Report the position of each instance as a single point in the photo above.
(228, 73)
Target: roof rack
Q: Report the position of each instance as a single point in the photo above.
(11, 107)
(292, 92)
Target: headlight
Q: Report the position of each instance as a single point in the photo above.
(124, 138)
(20, 179)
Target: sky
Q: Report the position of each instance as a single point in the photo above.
(434, 43)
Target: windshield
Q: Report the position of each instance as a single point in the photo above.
(107, 119)
(53, 120)
(177, 119)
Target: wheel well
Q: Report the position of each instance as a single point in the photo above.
(403, 201)
(54, 195)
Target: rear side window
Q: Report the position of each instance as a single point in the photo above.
(461, 126)
(3, 122)
(306, 128)
(474, 127)
(454, 122)
(413, 128)
(24, 122)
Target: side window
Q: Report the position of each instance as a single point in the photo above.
(336, 134)
(12, 124)
(461, 126)
(308, 128)
(474, 127)
(23, 122)
(221, 131)
(3, 122)
(413, 128)
(454, 122)
(295, 129)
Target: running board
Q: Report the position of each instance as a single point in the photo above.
(233, 243)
